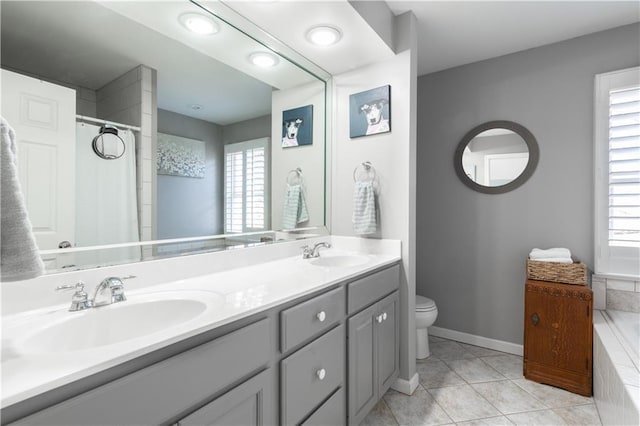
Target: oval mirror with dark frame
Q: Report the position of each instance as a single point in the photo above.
(496, 157)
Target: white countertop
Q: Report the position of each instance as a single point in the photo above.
(237, 293)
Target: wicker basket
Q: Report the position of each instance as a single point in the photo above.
(568, 273)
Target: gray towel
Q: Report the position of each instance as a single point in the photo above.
(19, 256)
(295, 207)
(364, 208)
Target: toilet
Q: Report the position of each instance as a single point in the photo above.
(426, 313)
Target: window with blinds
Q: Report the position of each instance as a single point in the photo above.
(245, 186)
(617, 163)
(624, 167)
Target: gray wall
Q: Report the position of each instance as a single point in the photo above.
(189, 207)
(471, 247)
(247, 130)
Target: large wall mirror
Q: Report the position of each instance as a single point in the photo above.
(496, 157)
(156, 121)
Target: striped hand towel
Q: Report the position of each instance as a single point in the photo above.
(295, 207)
(364, 208)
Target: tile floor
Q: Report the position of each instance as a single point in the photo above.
(468, 385)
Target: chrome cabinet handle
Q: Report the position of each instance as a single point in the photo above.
(535, 319)
(321, 316)
(321, 373)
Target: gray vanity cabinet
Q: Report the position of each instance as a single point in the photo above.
(160, 393)
(250, 404)
(331, 413)
(328, 369)
(374, 355)
(310, 375)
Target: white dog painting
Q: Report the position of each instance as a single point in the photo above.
(291, 127)
(376, 122)
(370, 112)
(297, 126)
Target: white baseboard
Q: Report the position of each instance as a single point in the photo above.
(471, 339)
(406, 386)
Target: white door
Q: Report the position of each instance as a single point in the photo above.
(43, 117)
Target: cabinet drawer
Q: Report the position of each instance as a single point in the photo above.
(303, 384)
(365, 291)
(308, 319)
(157, 393)
(332, 412)
(249, 404)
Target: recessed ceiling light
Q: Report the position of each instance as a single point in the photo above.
(263, 59)
(199, 24)
(196, 107)
(324, 35)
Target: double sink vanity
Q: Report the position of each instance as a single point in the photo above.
(291, 340)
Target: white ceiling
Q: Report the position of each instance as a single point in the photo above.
(450, 33)
(453, 33)
(103, 44)
(289, 22)
(89, 44)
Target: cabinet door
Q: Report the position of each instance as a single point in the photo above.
(363, 375)
(164, 390)
(388, 342)
(558, 326)
(331, 413)
(249, 404)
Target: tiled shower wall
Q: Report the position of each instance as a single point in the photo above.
(131, 99)
(621, 294)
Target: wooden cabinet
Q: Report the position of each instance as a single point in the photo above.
(374, 355)
(558, 335)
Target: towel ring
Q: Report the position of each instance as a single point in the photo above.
(368, 168)
(293, 174)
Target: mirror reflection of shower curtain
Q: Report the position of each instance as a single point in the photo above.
(106, 200)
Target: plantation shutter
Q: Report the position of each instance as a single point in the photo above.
(617, 173)
(246, 196)
(234, 192)
(255, 188)
(624, 167)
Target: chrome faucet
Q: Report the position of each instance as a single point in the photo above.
(80, 300)
(308, 252)
(110, 290)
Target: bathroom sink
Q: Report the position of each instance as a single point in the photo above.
(138, 316)
(339, 260)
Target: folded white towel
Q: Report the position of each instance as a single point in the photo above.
(555, 259)
(557, 252)
(295, 207)
(19, 255)
(364, 208)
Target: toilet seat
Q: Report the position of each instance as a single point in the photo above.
(424, 304)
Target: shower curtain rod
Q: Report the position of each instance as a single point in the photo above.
(109, 123)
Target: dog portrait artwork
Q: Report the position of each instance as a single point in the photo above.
(297, 126)
(376, 122)
(370, 112)
(291, 127)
